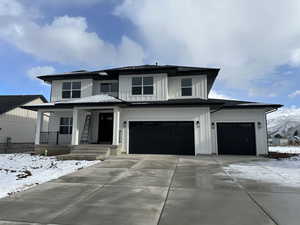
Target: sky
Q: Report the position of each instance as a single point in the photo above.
(256, 44)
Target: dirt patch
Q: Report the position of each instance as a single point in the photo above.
(279, 155)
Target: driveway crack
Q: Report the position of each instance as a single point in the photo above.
(266, 213)
(168, 192)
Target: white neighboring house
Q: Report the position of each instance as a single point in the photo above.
(150, 109)
(17, 125)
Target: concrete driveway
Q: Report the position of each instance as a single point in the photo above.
(164, 190)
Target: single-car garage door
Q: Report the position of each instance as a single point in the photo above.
(236, 138)
(172, 138)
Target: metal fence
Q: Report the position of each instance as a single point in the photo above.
(55, 138)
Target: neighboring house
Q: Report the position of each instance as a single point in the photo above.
(17, 125)
(150, 109)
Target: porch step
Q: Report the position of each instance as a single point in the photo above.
(90, 151)
(91, 147)
(88, 157)
(87, 152)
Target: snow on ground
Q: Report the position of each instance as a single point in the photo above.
(285, 172)
(34, 170)
(285, 149)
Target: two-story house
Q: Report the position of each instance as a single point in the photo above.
(150, 109)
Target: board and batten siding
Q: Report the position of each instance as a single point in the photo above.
(19, 124)
(201, 114)
(160, 88)
(243, 116)
(86, 88)
(199, 85)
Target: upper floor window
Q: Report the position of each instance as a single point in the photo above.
(109, 88)
(142, 86)
(66, 125)
(186, 87)
(71, 90)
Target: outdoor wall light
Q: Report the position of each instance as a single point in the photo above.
(213, 125)
(198, 123)
(125, 124)
(258, 125)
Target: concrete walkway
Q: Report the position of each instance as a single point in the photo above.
(149, 190)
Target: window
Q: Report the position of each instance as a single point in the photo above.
(186, 87)
(71, 90)
(142, 86)
(107, 88)
(66, 125)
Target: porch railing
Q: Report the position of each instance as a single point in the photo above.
(55, 138)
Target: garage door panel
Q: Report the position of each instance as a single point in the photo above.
(236, 138)
(158, 137)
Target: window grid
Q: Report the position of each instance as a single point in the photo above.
(66, 125)
(71, 90)
(186, 87)
(106, 88)
(142, 86)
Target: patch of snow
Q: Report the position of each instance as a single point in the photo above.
(285, 149)
(285, 172)
(41, 168)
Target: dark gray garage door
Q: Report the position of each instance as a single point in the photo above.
(172, 138)
(236, 138)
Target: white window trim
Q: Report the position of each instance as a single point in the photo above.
(142, 86)
(71, 90)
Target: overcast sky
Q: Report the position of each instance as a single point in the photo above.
(255, 43)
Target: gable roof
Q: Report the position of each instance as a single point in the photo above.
(9, 102)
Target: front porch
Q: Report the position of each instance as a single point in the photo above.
(79, 126)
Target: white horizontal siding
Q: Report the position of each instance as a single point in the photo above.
(202, 133)
(19, 124)
(199, 85)
(160, 85)
(86, 88)
(243, 115)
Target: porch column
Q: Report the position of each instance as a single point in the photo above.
(39, 127)
(116, 126)
(75, 129)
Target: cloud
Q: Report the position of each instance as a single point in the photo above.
(248, 40)
(294, 94)
(66, 40)
(217, 95)
(40, 70)
(74, 2)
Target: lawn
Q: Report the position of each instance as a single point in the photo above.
(284, 172)
(19, 172)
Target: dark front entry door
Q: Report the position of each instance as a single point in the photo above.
(105, 131)
(236, 138)
(172, 138)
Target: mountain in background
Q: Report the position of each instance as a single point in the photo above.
(284, 122)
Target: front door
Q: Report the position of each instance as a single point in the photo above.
(105, 131)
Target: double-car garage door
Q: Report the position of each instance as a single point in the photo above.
(157, 137)
(177, 138)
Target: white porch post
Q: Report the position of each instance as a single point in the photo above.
(116, 126)
(39, 127)
(75, 130)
